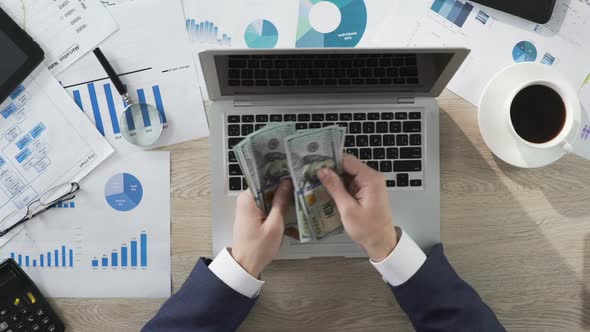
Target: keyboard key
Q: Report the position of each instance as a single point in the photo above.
(390, 183)
(395, 127)
(233, 141)
(408, 71)
(415, 116)
(259, 126)
(401, 116)
(234, 83)
(233, 119)
(412, 80)
(290, 117)
(232, 157)
(373, 116)
(402, 180)
(402, 140)
(366, 154)
(373, 164)
(274, 74)
(375, 140)
(247, 129)
(410, 153)
(260, 74)
(392, 72)
(354, 128)
(382, 127)
(35, 327)
(388, 140)
(392, 153)
(387, 116)
(3, 312)
(349, 141)
(368, 127)
(342, 125)
(262, 118)
(247, 118)
(354, 152)
(412, 126)
(277, 118)
(360, 116)
(332, 117)
(379, 153)
(385, 166)
(301, 126)
(253, 64)
(407, 166)
(275, 83)
(345, 116)
(399, 81)
(317, 117)
(416, 183)
(303, 117)
(315, 125)
(327, 124)
(362, 140)
(40, 312)
(234, 169)
(233, 130)
(247, 74)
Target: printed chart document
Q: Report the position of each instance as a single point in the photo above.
(111, 240)
(65, 29)
(152, 54)
(496, 39)
(45, 141)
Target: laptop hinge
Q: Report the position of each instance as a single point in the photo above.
(406, 100)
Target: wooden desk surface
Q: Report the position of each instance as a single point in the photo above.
(520, 237)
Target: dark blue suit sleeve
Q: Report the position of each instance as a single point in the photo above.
(437, 299)
(204, 303)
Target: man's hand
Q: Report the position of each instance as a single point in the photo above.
(257, 240)
(363, 206)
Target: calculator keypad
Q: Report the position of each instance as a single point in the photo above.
(26, 314)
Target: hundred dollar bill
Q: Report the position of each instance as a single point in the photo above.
(305, 234)
(244, 155)
(308, 152)
(270, 159)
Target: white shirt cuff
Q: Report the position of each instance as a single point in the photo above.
(403, 262)
(225, 267)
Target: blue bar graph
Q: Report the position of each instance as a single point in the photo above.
(134, 255)
(112, 111)
(144, 110)
(47, 260)
(206, 33)
(78, 100)
(159, 102)
(95, 108)
(454, 11)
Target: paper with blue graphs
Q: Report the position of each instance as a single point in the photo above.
(111, 240)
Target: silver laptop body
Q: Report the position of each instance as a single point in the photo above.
(385, 98)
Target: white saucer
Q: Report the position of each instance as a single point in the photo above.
(494, 113)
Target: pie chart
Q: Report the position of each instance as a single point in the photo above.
(261, 34)
(524, 51)
(123, 192)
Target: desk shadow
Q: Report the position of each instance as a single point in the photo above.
(489, 238)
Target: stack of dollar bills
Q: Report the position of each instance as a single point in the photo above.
(277, 152)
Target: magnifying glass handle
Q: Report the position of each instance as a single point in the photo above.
(110, 71)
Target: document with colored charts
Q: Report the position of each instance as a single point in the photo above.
(111, 240)
(44, 142)
(152, 55)
(496, 39)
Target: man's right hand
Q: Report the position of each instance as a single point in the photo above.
(364, 206)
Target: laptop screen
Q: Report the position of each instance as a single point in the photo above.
(268, 73)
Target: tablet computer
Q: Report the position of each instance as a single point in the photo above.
(20, 55)
(538, 11)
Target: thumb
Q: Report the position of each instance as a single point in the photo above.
(334, 185)
(281, 201)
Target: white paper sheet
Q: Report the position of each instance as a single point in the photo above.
(152, 54)
(65, 30)
(45, 141)
(496, 39)
(129, 195)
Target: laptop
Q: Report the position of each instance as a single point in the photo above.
(384, 97)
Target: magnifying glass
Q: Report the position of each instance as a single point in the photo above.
(141, 124)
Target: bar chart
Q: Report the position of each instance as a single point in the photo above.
(206, 33)
(65, 205)
(104, 105)
(454, 11)
(548, 59)
(133, 255)
(62, 257)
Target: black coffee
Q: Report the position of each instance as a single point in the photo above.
(538, 114)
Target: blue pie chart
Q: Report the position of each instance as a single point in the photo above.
(123, 192)
(524, 51)
(261, 34)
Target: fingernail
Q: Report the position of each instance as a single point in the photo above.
(287, 184)
(324, 173)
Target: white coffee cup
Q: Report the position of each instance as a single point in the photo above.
(496, 125)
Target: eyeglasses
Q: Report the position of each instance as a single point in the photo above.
(49, 199)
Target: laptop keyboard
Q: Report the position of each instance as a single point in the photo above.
(334, 70)
(389, 142)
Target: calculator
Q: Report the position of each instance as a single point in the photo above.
(22, 306)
